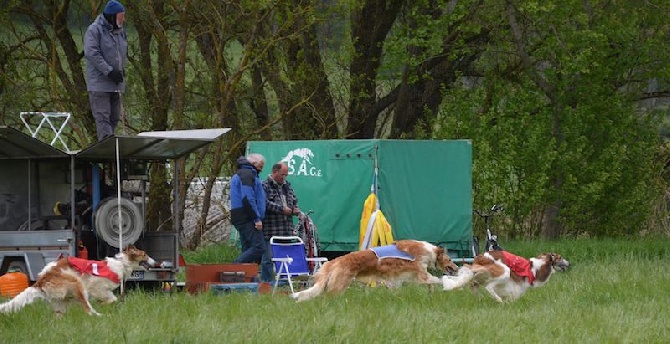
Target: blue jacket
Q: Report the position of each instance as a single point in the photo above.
(247, 197)
(106, 49)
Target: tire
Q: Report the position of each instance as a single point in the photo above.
(106, 221)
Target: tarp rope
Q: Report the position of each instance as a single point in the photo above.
(375, 229)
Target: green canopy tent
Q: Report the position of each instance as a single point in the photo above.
(424, 187)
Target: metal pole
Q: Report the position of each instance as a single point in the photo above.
(72, 197)
(176, 205)
(30, 195)
(118, 195)
(118, 203)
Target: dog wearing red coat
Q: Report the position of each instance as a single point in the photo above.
(505, 276)
(69, 280)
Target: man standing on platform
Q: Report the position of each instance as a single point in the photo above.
(106, 52)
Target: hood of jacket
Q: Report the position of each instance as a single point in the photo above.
(242, 161)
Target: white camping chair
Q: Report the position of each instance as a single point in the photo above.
(290, 260)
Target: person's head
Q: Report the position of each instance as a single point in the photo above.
(115, 13)
(279, 172)
(257, 160)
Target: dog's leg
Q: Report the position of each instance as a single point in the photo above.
(425, 278)
(434, 279)
(464, 277)
(81, 295)
(338, 281)
(491, 289)
(332, 281)
(308, 293)
(500, 280)
(475, 290)
(320, 282)
(107, 297)
(59, 307)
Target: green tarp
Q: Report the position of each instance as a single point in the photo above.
(424, 187)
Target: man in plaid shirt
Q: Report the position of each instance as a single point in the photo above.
(281, 206)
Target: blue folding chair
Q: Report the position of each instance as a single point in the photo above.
(290, 259)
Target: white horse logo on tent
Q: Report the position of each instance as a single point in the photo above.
(301, 168)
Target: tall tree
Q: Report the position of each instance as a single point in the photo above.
(154, 64)
(371, 21)
(47, 70)
(296, 71)
(548, 90)
(557, 129)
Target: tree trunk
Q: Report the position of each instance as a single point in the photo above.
(551, 227)
(371, 23)
(158, 92)
(183, 180)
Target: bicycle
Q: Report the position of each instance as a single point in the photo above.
(491, 243)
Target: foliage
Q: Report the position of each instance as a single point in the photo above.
(556, 136)
(610, 294)
(219, 253)
(560, 98)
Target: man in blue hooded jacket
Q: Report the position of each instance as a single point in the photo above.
(106, 51)
(247, 207)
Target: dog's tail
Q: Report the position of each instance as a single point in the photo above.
(26, 297)
(320, 283)
(464, 276)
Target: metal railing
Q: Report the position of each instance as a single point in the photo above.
(56, 121)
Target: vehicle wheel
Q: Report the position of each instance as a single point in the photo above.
(107, 226)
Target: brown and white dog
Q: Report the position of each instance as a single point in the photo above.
(71, 279)
(409, 262)
(504, 275)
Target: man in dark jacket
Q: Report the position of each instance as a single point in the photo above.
(247, 207)
(282, 205)
(106, 51)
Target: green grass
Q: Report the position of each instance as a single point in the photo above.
(616, 292)
(221, 253)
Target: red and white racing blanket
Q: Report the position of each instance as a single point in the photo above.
(93, 267)
(520, 266)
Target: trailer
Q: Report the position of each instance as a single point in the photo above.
(424, 187)
(55, 203)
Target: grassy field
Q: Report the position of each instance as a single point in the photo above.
(617, 291)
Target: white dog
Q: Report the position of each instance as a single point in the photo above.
(506, 276)
(72, 279)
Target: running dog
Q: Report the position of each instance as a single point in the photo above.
(69, 279)
(404, 260)
(506, 276)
